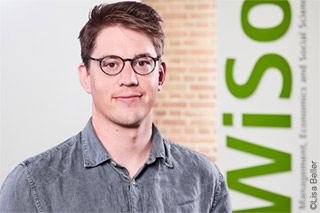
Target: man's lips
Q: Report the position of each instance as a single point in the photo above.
(128, 98)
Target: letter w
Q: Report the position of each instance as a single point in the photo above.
(281, 163)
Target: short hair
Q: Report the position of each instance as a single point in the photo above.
(129, 14)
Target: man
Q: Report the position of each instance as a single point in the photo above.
(119, 162)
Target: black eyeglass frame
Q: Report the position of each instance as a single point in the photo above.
(124, 63)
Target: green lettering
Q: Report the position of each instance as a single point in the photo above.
(266, 120)
(264, 62)
(265, 34)
(281, 163)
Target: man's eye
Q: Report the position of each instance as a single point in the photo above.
(143, 62)
(110, 65)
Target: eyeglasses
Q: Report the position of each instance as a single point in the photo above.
(113, 65)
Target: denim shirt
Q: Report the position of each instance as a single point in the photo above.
(80, 176)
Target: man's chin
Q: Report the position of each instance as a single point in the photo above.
(128, 122)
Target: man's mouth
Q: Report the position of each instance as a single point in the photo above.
(128, 98)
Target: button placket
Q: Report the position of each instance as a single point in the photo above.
(135, 196)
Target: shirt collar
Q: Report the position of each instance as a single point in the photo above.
(159, 149)
(94, 152)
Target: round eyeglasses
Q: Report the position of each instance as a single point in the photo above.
(113, 65)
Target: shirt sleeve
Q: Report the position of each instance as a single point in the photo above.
(16, 193)
(221, 201)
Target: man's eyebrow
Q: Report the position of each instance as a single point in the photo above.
(142, 55)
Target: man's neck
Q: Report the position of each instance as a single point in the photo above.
(130, 147)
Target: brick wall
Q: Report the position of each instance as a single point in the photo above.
(186, 111)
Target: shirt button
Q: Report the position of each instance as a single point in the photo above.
(113, 163)
(133, 182)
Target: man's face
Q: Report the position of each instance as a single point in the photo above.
(125, 99)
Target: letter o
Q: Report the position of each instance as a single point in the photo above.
(265, 34)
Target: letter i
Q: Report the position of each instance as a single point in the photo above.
(227, 119)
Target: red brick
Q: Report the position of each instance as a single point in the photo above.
(202, 69)
(173, 87)
(175, 43)
(175, 51)
(176, 6)
(203, 140)
(202, 15)
(174, 104)
(204, 78)
(204, 96)
(190, 42)
(190, 96)
(190, 113)
(189, 78)
(174, 122)
(189, 6)
(204, 131)
(175, 95)
(202, 87)
(175, 113)
(167, 16)
(203, 122)
(205, 6)
(160, 113)
(190, 131)
(202, 104)
(177, 69)
(202, 52)
(174, 77)
(175, 60)
(175, 131)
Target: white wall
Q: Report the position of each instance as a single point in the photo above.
(41, 101)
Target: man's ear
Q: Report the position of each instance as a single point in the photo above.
(84, 77)
(162, 74)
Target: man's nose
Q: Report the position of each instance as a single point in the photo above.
(128, 77)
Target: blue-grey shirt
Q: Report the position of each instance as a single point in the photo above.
(80, 176)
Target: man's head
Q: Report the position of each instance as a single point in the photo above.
(131, 15)
(124, 44)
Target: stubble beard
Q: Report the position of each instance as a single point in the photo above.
(129, 118)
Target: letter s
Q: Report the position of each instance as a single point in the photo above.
(264, 62)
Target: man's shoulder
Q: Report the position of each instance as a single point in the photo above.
(54, 155)
(37, 171)
(191, 158)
